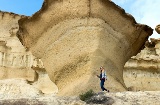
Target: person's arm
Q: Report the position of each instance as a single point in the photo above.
(98, 76)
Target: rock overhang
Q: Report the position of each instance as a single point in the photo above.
(56, 11)
(59, 30)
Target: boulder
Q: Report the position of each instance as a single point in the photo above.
(158, 29)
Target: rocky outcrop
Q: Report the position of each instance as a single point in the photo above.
(158, 29)
(44, 83)
(142, 71)
(74, 38)
(17, 88)
(15, 60)
(18, 62)
(135, 98)
(119, 98)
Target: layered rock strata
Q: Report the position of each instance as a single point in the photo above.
(74, 38)
(142, 72)
(16, 62)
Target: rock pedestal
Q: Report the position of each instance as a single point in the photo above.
(74, 38)
(141, 72)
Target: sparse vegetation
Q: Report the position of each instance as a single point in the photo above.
(87, 95)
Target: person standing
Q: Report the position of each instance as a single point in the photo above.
(102, 78)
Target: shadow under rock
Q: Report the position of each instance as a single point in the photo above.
(100, 98)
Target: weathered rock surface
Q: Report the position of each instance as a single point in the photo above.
(16, 61)
(158, 29)
(135, 98)
(74, 38)
(119, 98)
(44, 83)
(17, 88)
(142, 72)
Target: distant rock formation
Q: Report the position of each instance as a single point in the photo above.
(142, 72)
(17, 62)
(74, 38)
(158, 29)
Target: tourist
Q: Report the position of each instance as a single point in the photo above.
(102, 77)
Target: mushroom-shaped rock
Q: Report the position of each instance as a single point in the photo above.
(75, 37)
(158, 29)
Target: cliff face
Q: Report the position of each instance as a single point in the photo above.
(74, 38)
(142, 72)
(16, 61)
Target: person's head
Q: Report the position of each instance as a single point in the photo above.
(101, 68)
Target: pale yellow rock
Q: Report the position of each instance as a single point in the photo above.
(74, 38)
(142, 72)
(135, 98)
(16, 61)
(10, 73)
(44, 83)
(17, 88)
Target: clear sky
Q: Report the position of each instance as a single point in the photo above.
(144, 11)
(22, 7)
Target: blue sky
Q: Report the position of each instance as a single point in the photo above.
(144, 11)
(22, 7)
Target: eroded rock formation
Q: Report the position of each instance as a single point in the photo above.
(142, 72)
(16, 61)
(158, 29)
(74, 38)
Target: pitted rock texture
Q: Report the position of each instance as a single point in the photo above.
(44, 83)
(135, 98)
(15, 60)
(18, 62)
(120, 98)
(17, 88)
(74, 38)
(142, 72)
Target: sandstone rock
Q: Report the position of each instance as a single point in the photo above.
(74, 38)
(44, 83)
(158, 29)
(18, 62)
(15, 61)
(17, 88)
(135, 98)
(141, 72)
(120, 98)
